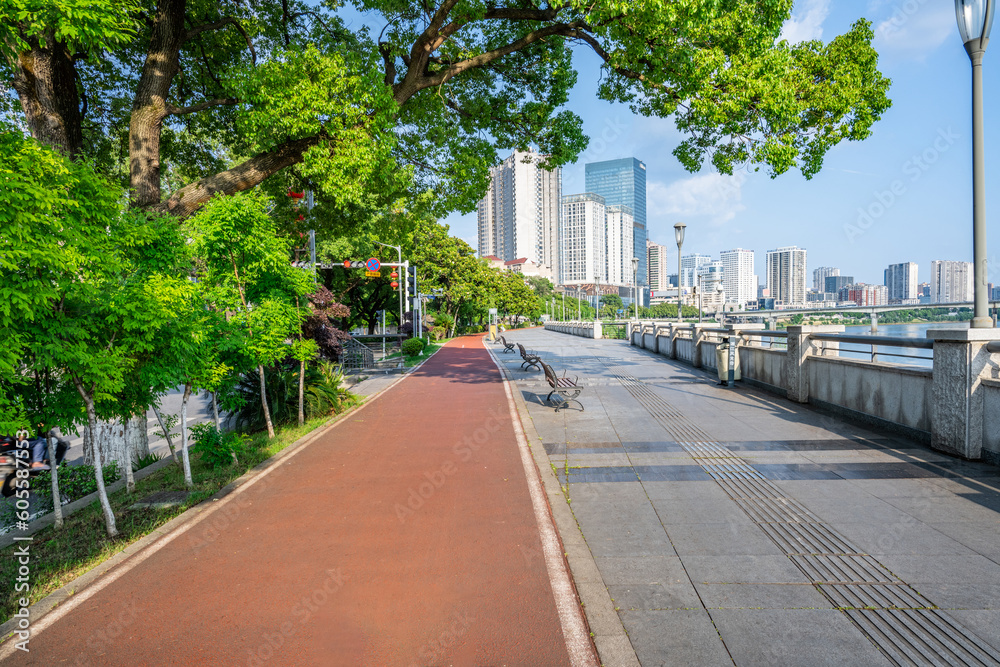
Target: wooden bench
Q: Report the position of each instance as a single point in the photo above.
(567, 389)
(507, 347)
(530, 359)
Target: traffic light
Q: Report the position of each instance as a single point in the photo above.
(411, 281)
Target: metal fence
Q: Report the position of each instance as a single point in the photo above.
(357, 356)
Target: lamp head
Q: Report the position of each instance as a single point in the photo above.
(975, 20)
(679, 230)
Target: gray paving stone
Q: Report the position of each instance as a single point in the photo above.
(852, 509)
(980, 536)
(743, 569)
(918, 570)
(968, 595)
(793, 638)
(941, 510)
(673, 638)
(700, 510)
(720, 539)
(652, 597)
(905, 537)
(684, 490)
(761, 596)
(643, 570)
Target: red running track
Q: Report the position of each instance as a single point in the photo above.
(405, 535)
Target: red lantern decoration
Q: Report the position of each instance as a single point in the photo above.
(302, 217)
(393, 284)
(296, 195)
(393, 275)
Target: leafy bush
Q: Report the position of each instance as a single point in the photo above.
(147, 460)
(443, 320)
(412, 347)
(75, 481)
(439, 332)
(322, 395)
(216, 449)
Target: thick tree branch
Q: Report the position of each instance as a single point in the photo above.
(188, 199)
(222, 23)
(173, 110)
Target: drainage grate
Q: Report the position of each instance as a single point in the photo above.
(907, 627)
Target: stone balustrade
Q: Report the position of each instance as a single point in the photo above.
(954, 406)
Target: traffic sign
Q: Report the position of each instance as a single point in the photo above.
(373, 274)
(373, 264)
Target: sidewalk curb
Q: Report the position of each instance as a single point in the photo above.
(82, 587)
(608, 633)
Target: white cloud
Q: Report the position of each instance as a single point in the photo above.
(807, 23)
(712, 195)
(915, 28)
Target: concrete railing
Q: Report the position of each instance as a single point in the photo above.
(586, 329)
(954, 405)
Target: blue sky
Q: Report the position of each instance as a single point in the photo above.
(921, 149)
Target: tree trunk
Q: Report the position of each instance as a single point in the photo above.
(149, 106)
(215, 412)
(56, 496)
(120, 441)
(302, 385)
(109, 516)
(45, 81)
(188, 480)
(166, 435)
(263, 401)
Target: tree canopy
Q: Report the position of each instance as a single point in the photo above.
(185, 99)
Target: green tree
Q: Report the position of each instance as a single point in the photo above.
(210, 98)
(247, 270)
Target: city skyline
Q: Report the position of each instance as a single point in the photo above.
(848, 215)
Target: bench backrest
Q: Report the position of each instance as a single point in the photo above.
(550, 375)
(521, 348)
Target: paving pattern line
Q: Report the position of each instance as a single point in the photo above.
(902, 623)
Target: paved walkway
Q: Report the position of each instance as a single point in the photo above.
(405, 535)
(734, 527)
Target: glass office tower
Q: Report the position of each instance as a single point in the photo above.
(623, 183)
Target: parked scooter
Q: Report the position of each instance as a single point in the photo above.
(9, 460)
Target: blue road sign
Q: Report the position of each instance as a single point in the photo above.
(373, 264)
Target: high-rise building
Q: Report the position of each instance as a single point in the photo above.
(821, 274)
(656, 257)
(836, 283)
(519, 216)
(951, 282)
(901, 279)
(619, 246)
(711, 282)
(786, 274)
(865, 295)
(924, 289)
(583, 239)
(689, 268)
(738, 277)
(623, 183)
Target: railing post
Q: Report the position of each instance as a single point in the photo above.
(795, 375)
(961, 362)
(697, 338)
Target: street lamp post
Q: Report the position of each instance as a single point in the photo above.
(975, 19)
(679, 235)
(635, 286)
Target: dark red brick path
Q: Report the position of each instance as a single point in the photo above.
(404, 536)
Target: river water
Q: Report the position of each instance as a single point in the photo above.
(909, 356)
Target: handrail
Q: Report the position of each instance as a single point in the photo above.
(764, 333)
(881, 341)
(993, 346)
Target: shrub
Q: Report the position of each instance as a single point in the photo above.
(412, 347)
(75, 481)
(322, 395)
(147, 460)
(216, 449)
(439, 332)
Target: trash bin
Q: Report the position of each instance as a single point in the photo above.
(722, 363)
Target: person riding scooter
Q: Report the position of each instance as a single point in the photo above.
(38, 448)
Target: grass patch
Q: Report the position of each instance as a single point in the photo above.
(59, 556)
